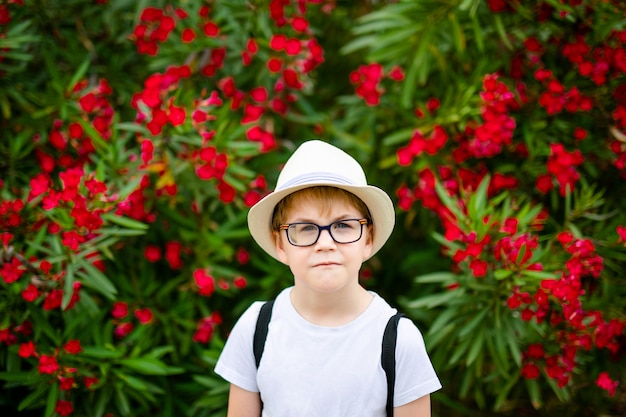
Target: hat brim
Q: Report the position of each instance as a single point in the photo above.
(377, 201)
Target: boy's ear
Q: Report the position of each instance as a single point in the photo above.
(280, 251)
(369, 243)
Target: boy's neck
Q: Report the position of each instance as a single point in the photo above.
(330, 309)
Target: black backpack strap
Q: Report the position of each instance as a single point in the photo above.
(388, 358)
(260, 333)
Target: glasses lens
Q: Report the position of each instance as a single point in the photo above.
(346, 231)
(306, 234)
(303, 234)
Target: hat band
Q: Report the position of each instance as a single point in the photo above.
(316, 177)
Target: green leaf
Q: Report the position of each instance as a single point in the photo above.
(500, 274)
(414, 73)
(460, 351)
(33, 397)
(503, 392)
(470, 326)
(478, 34)
(94, 278)
(477, 202)
(447, 200)
(14, 376)
(502, 31)
(476, 348)
(538, 274)
(51, 402)
(532, 386)
(121, 401)
(125, 222)
(436, 277)
(446, 317)
(521, 254)
(79, 74)
(133, 382)
(101, 352)
(149, 366)
(68, 288)
(434, 300)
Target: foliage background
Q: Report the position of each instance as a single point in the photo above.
(135, 135)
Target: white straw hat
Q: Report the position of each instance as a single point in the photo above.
(317, 163)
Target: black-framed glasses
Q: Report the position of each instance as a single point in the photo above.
(341, 231)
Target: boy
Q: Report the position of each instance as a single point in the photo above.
(322, 354)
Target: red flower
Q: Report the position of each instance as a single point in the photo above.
(172, 254)
(291, 79)
(252, 113)
(123, 330)
(544, 183)
(299, 24)
(293, 47)
(240, 282)
(433, 104)
(53, 300)
(38, 185)
(479, 267)
(64, 408)
(66, 383)
(48, 364)
(27, 350)
(396, 74)
(211, 29)
(120, 310)
(251, 198)
(204, 331)
(227, 192)
(605, 382)
(31, 293)
(243, 256)
(73, 347)
(259, 94)
(188, 35)
(177, 115)
(509, 226)
(152, 253)
(530, 371)
(72, 239)
(204, 281)
(89, 381)
(144, 315)
(11, 271)
(251, 46)
(274, 65)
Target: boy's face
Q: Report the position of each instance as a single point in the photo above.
(325, 266)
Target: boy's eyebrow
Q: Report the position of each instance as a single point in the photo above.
(344, 216)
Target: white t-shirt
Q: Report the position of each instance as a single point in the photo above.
(315, 371)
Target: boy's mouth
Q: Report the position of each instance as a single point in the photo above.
(322, 264)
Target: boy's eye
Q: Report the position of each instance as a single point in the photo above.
(343, 225)
(306, 228)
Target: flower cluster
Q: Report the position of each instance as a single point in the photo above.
(153, 104)
(560, 301)
(562, 167)
(205, 328)
(5, 19)
(367, 80)
(495, 133)
(155, 26)
(123, 321)
(419, 144)
(66, 376)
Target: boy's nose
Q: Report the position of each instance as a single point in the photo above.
(325, 239)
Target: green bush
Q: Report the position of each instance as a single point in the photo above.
(135, 136)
